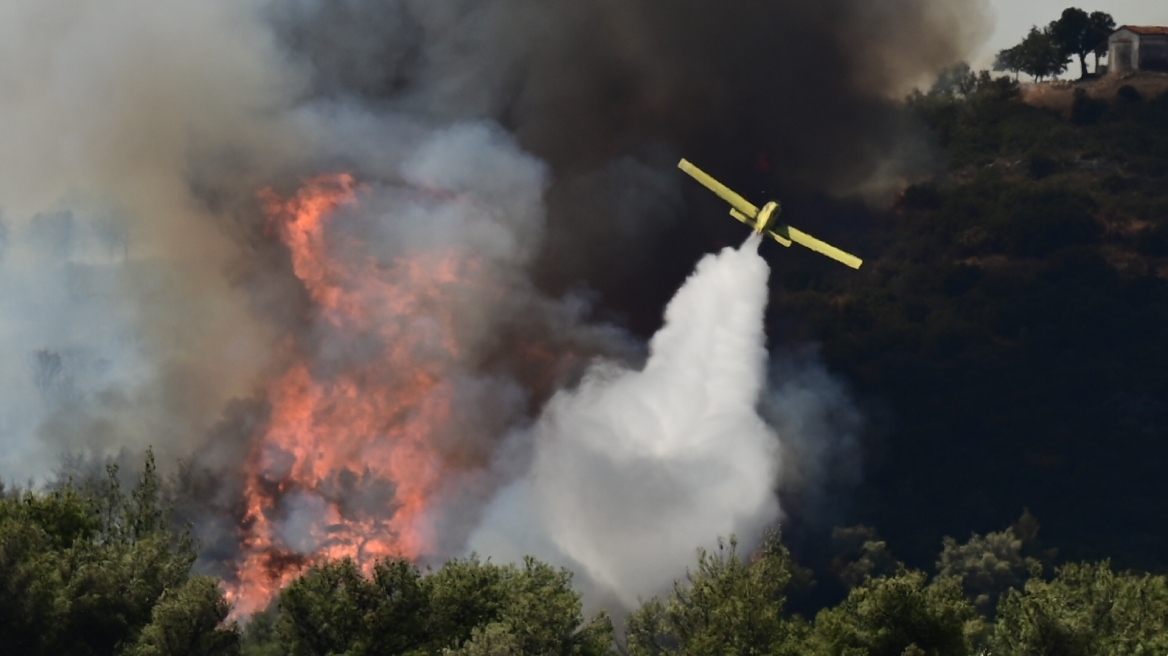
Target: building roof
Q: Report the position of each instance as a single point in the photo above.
(1145, 30)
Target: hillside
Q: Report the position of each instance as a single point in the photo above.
(1060, 94)
(1010, 336)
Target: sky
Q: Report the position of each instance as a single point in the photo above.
(1015, 17)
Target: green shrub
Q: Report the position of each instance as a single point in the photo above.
(896, 615)
(1087, 609)
(104, 574)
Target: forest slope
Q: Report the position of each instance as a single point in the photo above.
(1012, 327)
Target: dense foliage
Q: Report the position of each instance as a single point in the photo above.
(93, 574)
(466, 608)
(99, 573)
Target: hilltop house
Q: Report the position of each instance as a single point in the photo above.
(1136, 48)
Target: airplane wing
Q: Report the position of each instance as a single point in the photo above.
(737, 202)
(785, 234)
(744, 211)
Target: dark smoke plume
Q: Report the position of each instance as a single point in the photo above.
(610, 92)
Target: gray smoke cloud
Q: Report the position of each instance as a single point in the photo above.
(143, 300)
(821, 428)
(120, 329)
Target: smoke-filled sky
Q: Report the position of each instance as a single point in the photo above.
(338, 255)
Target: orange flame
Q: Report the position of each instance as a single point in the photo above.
(347, 465)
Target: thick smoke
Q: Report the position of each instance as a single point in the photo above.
(145, 301)
(119, 327)
(803, 85)
(633, 469)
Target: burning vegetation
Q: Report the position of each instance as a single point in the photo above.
(349, 464)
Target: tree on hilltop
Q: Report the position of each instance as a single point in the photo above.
(1010, 60)
(1078, 33)
(1039, 54)
(1102, 25)
(1071, 34)
(1045, 52)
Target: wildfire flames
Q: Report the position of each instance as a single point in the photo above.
(348, 465)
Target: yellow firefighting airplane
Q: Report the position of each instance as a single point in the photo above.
(765, 220)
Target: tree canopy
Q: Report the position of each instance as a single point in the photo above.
(1039, 55)
(1078, 33)
(466, 608)
(100, 572)
(1100, 29)
(96, 574)
(1046, 51)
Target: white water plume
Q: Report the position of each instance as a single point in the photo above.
(634, 470)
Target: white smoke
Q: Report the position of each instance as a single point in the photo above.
(118, 328)
(65, 329)
(634, 470)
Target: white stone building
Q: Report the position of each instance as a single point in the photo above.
(1136, 48)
